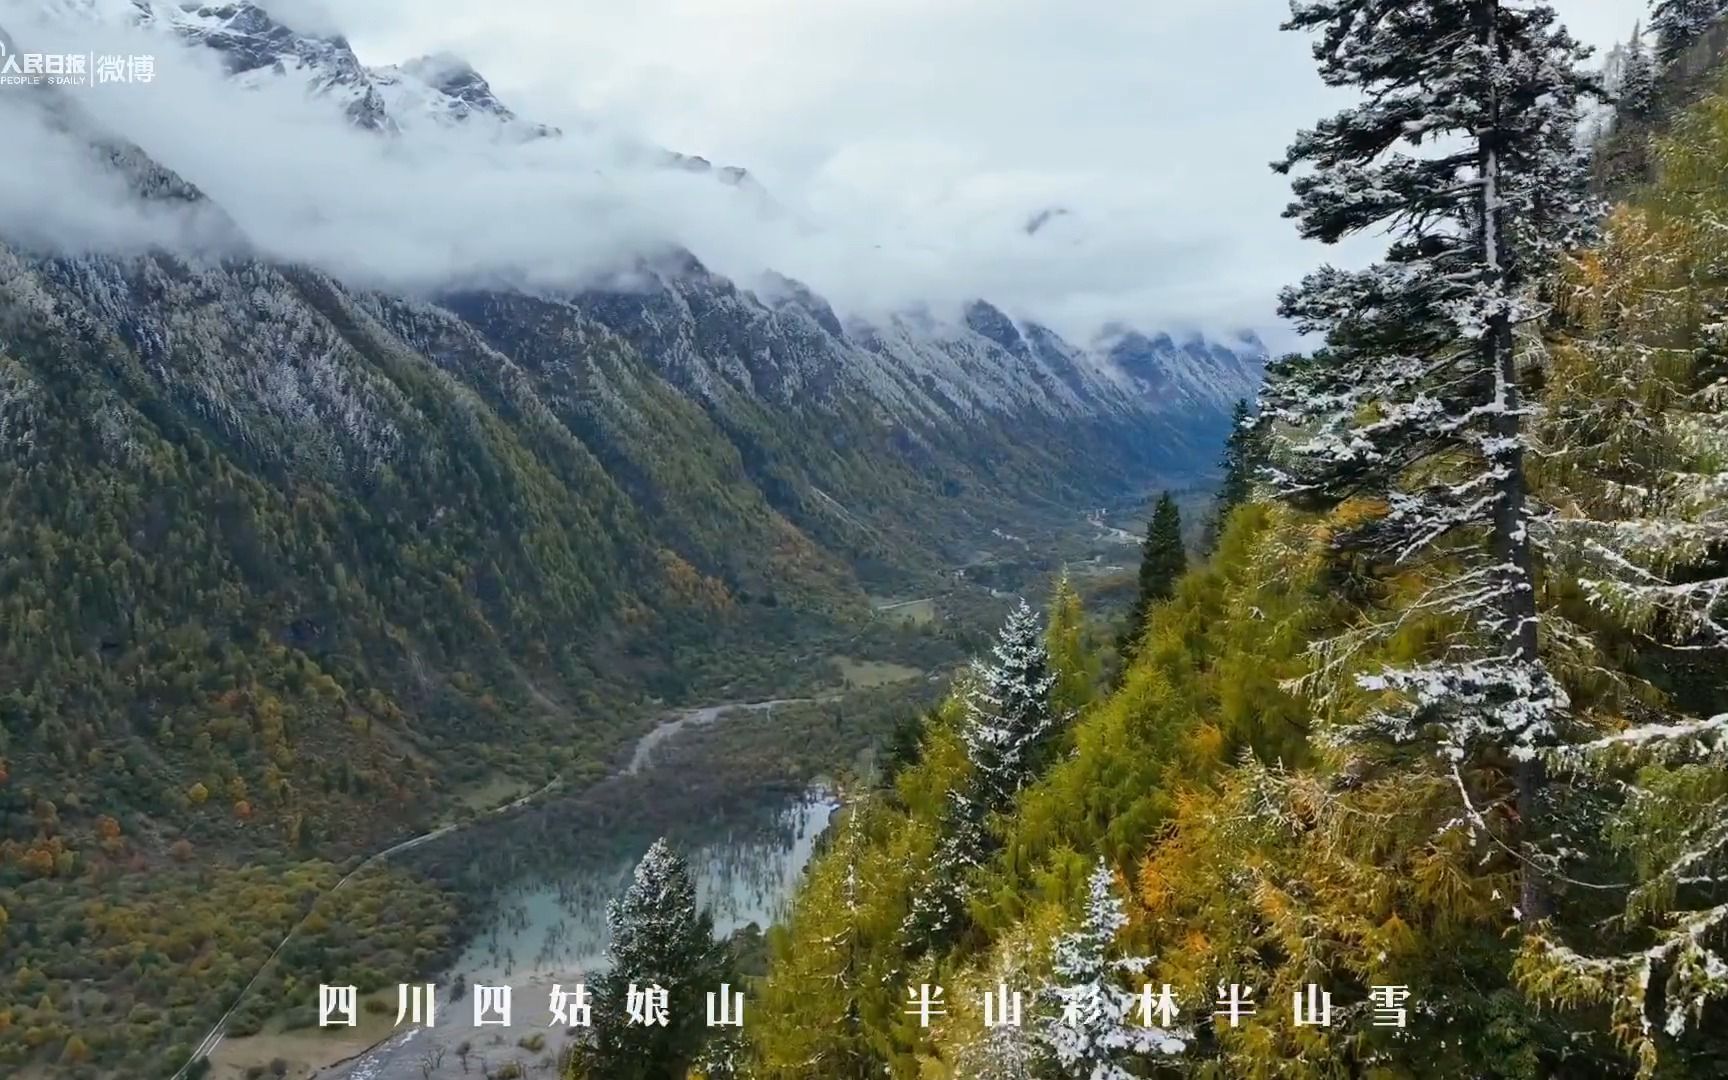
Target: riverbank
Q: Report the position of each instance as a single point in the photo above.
(545, 927)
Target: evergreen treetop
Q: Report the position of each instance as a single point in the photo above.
(661, 940)
(1006, 726)
(1678, 23)
(1244, 456)
(1635, 97)
(1163, 559)
(1093, 1032)
(1008, 713)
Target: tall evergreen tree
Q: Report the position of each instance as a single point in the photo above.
(1163, 558)
(1635, 97)
(1678, 23)
(660, 940)
(1008, 713)
(1093, 1031)
(1416, 397)
(1244, 454)
(1006, 729)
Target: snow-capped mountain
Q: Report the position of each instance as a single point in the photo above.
(256, 47)
(984, 358)
(1197, 373)
(443, 89)
(958, 386)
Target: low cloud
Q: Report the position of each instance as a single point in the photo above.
(900, 156)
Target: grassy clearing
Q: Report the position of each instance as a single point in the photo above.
(917, 612)
(866, 674)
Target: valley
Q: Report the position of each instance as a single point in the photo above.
(750, 828)
(301, 562)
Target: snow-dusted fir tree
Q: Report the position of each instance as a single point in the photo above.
(1678, 23)
(1003, 1052)
(1095, 1028)
(1462, 152)
(1008, 714)
(661, 941)
(1635, 96)
(1007, 725)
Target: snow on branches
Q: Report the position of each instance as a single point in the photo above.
(1669, 959)
(1008, 710)
(1007, 722)
(1463, 153)
(1678, 23)
(1093, 1032)
(1632, 455)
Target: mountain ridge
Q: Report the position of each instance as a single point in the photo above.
(444, 90)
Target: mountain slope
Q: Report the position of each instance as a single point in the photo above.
(445, 504)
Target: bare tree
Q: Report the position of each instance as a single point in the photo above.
(432, 1061)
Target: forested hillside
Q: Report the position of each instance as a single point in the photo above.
(1437, 727)
(279, 550)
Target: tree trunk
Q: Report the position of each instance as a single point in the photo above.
(1515, 567)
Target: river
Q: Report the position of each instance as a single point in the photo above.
(548, 925)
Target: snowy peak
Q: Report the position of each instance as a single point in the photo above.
(257, 47)
(455, 78)
(783, 294)
(732, 176)
(988, 321)
(446, 90)
(1195, 370)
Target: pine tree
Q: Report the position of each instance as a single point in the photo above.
(660, 938)
(1678, 23)
(1163, 558)
(1006, 729)
(1416, 397)
(1244, 454)
(1094, 1032)
(1636, 94)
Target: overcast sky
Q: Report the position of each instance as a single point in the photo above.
(949, 122)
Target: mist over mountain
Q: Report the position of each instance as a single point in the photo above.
(413, 173)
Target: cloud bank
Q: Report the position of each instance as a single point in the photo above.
(902, 147)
